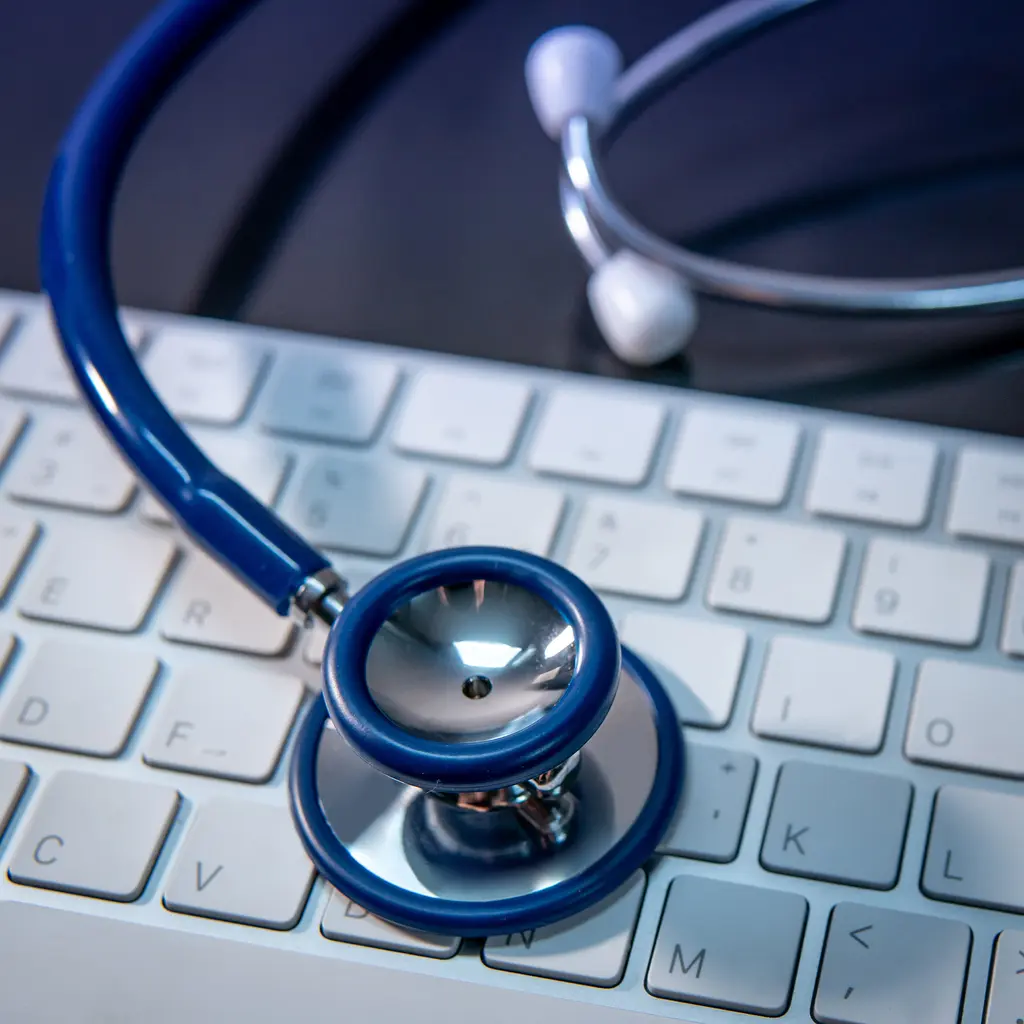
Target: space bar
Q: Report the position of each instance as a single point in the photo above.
(59, 965)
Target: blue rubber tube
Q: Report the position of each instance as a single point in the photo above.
(235, 528)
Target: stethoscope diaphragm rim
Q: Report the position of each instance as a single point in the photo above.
(472, 918)
(493, 762)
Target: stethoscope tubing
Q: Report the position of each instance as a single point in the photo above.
(219, 514)
(600, 225)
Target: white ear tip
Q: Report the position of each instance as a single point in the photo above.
(646, 312)
(572, 71)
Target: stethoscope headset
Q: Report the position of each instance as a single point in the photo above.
(485, 757)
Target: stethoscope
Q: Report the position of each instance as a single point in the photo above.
(484, 757)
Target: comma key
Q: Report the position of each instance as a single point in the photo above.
(888, 967)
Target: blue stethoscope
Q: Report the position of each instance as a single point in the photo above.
(484, 756)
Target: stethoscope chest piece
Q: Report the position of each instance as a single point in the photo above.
(485, 757)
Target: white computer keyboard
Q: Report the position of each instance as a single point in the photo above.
(843, 597)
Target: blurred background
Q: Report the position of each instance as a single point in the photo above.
(416, 203)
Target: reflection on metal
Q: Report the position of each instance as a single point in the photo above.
(471, 661)
(406, 836)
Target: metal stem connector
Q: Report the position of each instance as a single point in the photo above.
(321, 597)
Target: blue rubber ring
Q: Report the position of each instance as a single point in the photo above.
(471, 919)
(476, 764)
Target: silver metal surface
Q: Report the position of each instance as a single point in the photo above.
(368, 811)
(471, 661)
(321, 596)
(600, 226)
(545, 805)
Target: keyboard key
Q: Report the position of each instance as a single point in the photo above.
(872, 476)
(471, 417)
(80, 698)
(241, 861)
(599, 437)
(987, 500)
(974, 849)
(203, 375)
(637, 548)
(12, 423)
(17, 536)
(727, 945)
(481, 510)
(224, 722)
(889, 967)
(837, 825)
(590, 949)
(922, 592)
(967, 716)
(777, 570)
(734, 456)
(699, 663)
(348, 922)
(825, 694)
(13, 777)
(329, 396)
(103, 579)
(1012, 638)
(713, 808)
(32, 361)
(67, 462)
(354, 505)
(253, 462)
(94, 835)
(1006, 991)
(208, 607)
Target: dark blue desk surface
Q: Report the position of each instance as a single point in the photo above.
(438, 226)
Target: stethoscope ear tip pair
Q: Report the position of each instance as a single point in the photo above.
(646, 312)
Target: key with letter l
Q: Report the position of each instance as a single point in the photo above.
(974, 850)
